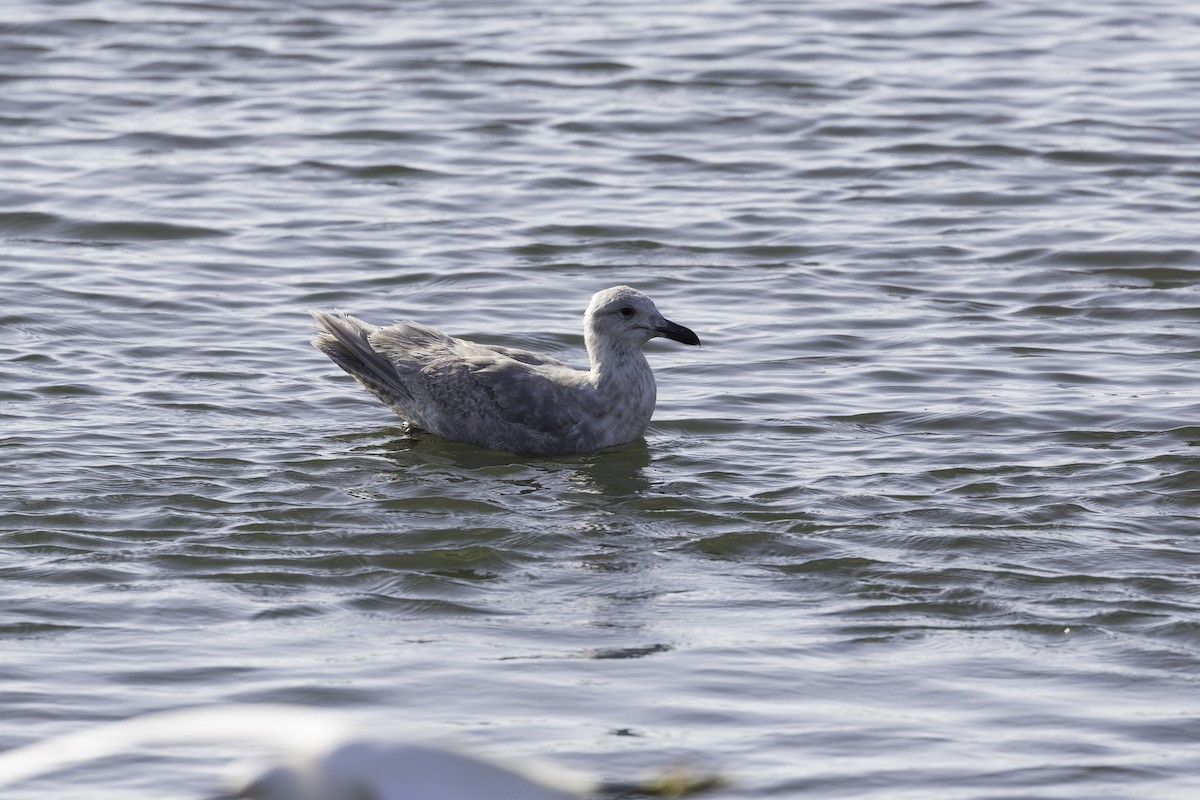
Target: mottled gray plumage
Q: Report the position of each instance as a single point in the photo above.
(507, 399)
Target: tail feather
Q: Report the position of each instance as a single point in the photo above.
(345, 339)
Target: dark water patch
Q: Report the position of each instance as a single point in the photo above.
(940, 166)
(35, 630)
(749, 545)
(59, 26)
(385, 135)
(844, 567)
(415, 607)
(1111, 158)
(1003, 198)
(293, 611)
(169, 677)
(391, 172)
(969, 153)
(629, 652)
(35, 225)
(1157, 277)
(156, 142)
(317, 695)
(559, 251)
(62, 390)
(27, 222)
(163, 66)
(625, 233)
(1129, 261)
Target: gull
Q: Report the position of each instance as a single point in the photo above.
(320, 755)
(502, 398)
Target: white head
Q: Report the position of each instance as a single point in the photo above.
(622, 318)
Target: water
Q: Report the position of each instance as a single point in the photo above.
(918, 521)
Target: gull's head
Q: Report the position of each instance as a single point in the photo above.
(624, 316)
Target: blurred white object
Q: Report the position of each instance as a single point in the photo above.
(319, 757)
(380, 770)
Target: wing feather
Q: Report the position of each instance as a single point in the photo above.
(502, 398)
(484, 394)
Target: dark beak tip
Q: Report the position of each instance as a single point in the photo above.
(679, 334)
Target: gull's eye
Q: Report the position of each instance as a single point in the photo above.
(626, 312)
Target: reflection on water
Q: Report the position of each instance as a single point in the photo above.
(619, 474)
(616, 474)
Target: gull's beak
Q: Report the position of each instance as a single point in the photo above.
(677, 332)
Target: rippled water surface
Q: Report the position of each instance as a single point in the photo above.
(919, 521)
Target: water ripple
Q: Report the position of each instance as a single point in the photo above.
(924, 501)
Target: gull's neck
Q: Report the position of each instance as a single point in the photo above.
(623, 387)
(616, 361)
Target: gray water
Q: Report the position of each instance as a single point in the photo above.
(919, 521)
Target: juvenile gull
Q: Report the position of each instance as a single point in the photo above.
(507, 399)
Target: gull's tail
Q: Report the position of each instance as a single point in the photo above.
(346, 340)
